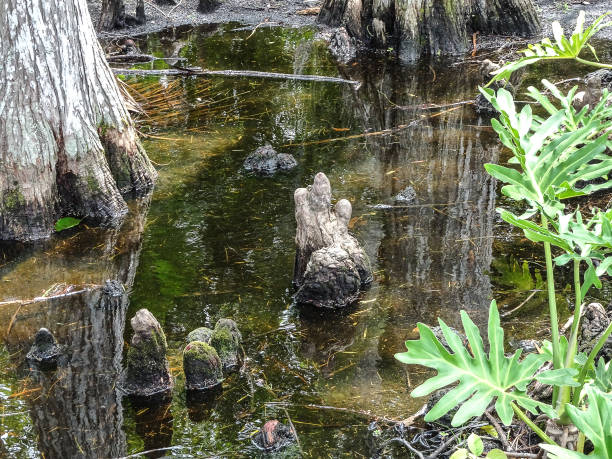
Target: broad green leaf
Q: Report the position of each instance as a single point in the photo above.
(507, 175)
(461, 453)
(562, 48)
(475, 444)
(496, 454)
(603, 376)
(534, 231)
(558, 452)
(66, 222)
(595, 423)
(481, 378)
(560, 377)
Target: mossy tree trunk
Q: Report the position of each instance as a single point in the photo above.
(417, 28)
(68, 146)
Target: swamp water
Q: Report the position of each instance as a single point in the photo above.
(215, 242)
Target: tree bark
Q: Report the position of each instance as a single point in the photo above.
(416, 28)
(112, 15)
(67, 143)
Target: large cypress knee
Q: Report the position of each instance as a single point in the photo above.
(148, 372)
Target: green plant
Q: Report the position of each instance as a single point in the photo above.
(595, 423)
(475, 449)
(552, 159)
(561, 48)
(66, 223)
(482, 378)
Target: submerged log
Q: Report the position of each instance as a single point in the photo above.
(198, 71)
(416, 28)
(330, 265)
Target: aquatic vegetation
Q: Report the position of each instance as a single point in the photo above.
(562, 156)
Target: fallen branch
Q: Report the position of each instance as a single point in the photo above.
(139, 58)
(506, 314)
(500, 432)
(197, 71)
(372, 134)
(157, 8)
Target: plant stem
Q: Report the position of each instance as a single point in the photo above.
(573, 343)
(539, 432)
(580, 442)
(552, 306)
(583, 372)
(594, 64)
(565, 392)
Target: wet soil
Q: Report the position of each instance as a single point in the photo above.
(249, 13)
(292, 13)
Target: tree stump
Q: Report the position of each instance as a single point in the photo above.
(415, 28)
(202, 366)
(330, 264)
(208, 6)
(148, 373)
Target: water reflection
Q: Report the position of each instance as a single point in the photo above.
(74, 257)
(76, 410)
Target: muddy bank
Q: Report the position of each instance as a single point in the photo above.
(268, 13)
(248, 12)
(566, 13)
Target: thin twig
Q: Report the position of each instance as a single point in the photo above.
(500, 431)
(257, 26)
(158, 9)
(174, 7)
(142, 453)
(406, 444)
(522, 455)
(506, 314)
(10, 325)
(297, 439)
(444, 446)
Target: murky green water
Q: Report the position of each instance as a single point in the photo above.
(215, 242)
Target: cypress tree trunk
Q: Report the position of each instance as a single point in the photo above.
(112, 15)
(418, 28)
(68, 146)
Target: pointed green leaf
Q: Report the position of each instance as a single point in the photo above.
(481, 379)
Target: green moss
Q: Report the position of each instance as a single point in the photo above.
(149, 353)
(202, 334)
(198, 350)
(232, 327)
(14, 198)
(225, 344)
(92, 182)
